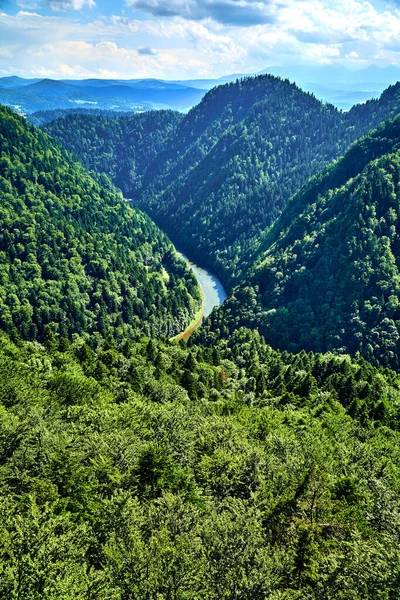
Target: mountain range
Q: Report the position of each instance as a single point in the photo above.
(221, 175)
(28, 96)
(329, 83)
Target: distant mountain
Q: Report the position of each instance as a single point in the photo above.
(14, 81)
(40, 117)
(328, 274)
(161, 95)
(28, 96)
(208, 84)
(338, 85)
(49, 87)
(75, 258)
(132, 83)
(336, 75)
(330, 83)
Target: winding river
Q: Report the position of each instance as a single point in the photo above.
(213, 294)
(212, 289)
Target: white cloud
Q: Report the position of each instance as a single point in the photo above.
(241, 13)
(43, 72)
(23, 14)
(322, 51)
(28, 4)
(66, 70)
(301, 31)
(5, 53)
(64, 5)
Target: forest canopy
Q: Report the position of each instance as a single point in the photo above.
(75, 258)
(259, 461)
(150, 470)
(327, 276)
(217, 177)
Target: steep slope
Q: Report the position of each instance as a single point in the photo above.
(220, 195)
(225, 191)
(225, 473)
(232, 163)
(122, 148)
(75, 258)
(375, 111)
(328, 277)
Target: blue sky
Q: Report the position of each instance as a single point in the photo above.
(182, 39)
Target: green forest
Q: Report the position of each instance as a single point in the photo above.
(260, 459)
(75, 258)
(217, 178)
(147, 470)
(120, 146)
(328, 273)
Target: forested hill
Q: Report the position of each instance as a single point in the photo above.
(272, 137)
(75, 258)
(121, 147)
(329, 275)
(137, 467)
(231, 164)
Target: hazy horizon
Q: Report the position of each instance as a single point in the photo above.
(192, 39)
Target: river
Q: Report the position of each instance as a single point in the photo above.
(213, 290)
(213, 294)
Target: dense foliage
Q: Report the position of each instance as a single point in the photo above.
(231, 164)
(74, 257)
(135, 468)
(123, 148)
(44, 116)
(151, 471)
(329, 276)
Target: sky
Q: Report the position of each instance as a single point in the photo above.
(183, 39)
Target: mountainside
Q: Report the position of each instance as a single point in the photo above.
(328, 277)
(227, 472)
(122, 148)
(232, 163)
(220, 195)
(75, 258)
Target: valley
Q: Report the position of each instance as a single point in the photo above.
(175, 432)
(219, 176)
